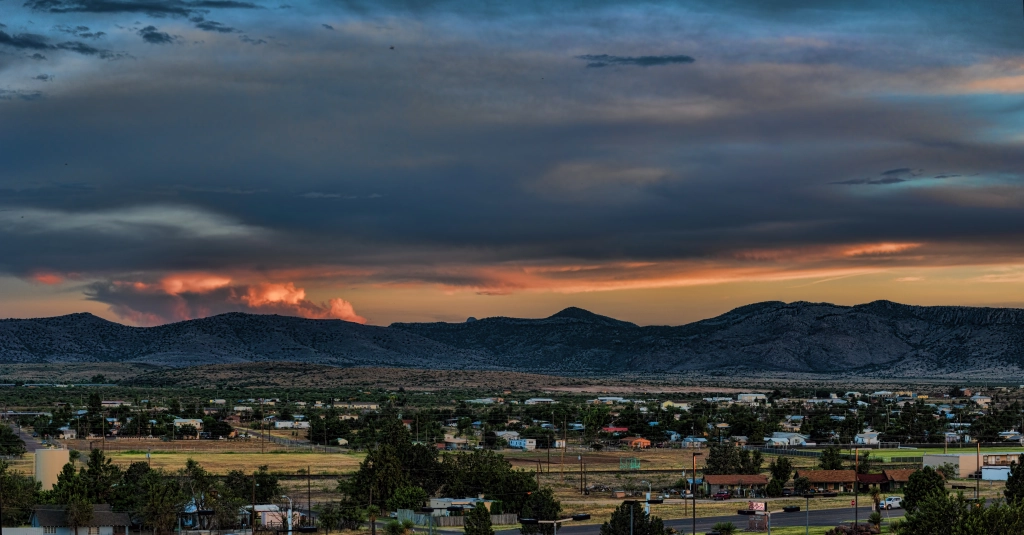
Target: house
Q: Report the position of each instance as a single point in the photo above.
(525, 444)
(673, 436)
(114, 403)
(441, 505)
(719, 399)
(682, 405)
(196, 424)
(829, 480)
(898, 478)
(694, 442)
(636, 443)
(454, 443)
(52, 520)
(792, 423)
(866, 438)
(735, 484)
(739, 440)
(981, 400)
(539, 401)
(68, 434)
(507, 435)
(751, 398)
(786, 439)
(866, 481)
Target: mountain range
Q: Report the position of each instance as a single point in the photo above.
(881, 338)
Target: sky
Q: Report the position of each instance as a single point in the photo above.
(432, 160)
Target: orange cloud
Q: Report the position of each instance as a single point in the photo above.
(878, 249)
(265, 294)
(184, 296)
(193, 283)
(47, 277)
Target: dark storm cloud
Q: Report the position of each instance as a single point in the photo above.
(211, 26)
(152, 35)
(605, 60)
(25, 41)
(680, 163)
(79, 31)
(38, 57)
(43, 77)
(155, 8)
(328, 26)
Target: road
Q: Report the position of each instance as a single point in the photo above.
(31, 444)
(821, 517)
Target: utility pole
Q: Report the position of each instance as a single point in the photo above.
(309, 496)
(856, 486)
(977, 481)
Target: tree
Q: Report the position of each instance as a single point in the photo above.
(801, 485)
(542, 505)
(1014, 492)
(922, 483)
(940, 514)
(632, 514)
(101, 478)
(78, 512)
(774, 489)
(17, 496)
(395, 527)
(865, 463)
(372, 512)
(478, 521)
(163, 500)
(329, 516)
(781, 469)
(10, 442)
(407, 497)
(831, 459)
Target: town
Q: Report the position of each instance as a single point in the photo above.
(119, 459)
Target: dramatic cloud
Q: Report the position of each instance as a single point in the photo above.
(143, 222)
(43, 77)
(436, 159)
(211, 26)
(151, 34)
(27, 41)
(155, 8)
(192, 295)
(604, 60)
(79, 31)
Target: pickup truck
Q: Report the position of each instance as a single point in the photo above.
(893, 502)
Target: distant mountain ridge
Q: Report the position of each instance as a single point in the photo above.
(881, 338)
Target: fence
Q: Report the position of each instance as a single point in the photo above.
(785, 451)
(452, 521)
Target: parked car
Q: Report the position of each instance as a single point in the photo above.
(893, 502)
(722, 495)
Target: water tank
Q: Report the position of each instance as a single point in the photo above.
(49, 463)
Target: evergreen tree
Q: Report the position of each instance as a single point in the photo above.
(478, 521)
(831, 459)
(781, 469)
(17, 496)
(922, 483)
(540, 505)
(1014, 492)
(642, 523)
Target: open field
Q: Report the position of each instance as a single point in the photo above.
(304, 375)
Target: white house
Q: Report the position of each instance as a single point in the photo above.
(751, 398)
(786, 439)
(507, 435)
(866, 438)
(539, 401)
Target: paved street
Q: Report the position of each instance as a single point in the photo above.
(823, 517)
